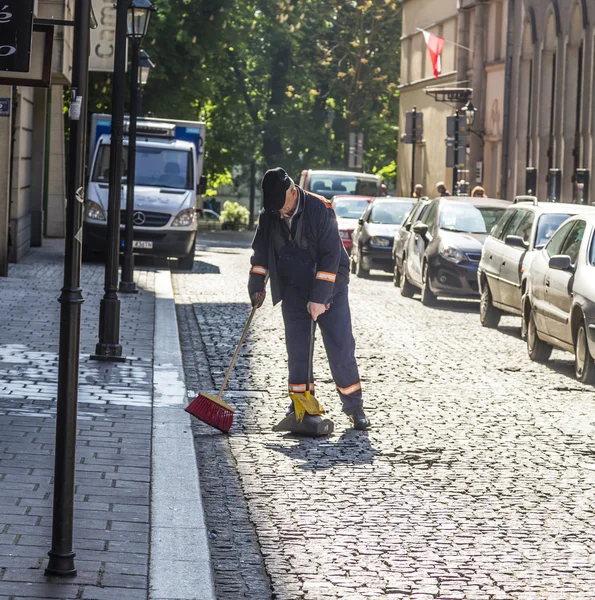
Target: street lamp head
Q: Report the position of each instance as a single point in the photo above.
(144, 67)
(139, 14)
(470, 111)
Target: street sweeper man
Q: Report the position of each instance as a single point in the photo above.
(297, 244)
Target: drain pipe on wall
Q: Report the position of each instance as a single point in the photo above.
(507, 100)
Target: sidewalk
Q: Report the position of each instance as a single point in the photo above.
(136, 479)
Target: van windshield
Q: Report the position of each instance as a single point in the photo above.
(159, 167)
(329, 185)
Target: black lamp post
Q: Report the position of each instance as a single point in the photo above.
(61, 555)
(109, 348)
(145, 64)
(139, 13)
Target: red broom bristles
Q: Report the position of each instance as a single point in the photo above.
(211, 413)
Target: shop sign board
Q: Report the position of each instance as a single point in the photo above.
(16, 27)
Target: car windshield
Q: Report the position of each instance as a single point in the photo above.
(546, 227)
(350, 209)
(333, 185)
(467, 218)
(390, 213)
(159, 167)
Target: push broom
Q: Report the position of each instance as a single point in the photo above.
(210, 409)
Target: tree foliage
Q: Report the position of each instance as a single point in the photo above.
(283, 82)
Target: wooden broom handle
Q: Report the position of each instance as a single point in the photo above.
(239, 346)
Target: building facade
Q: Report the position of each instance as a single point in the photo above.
(32, 159)
(476, 35)
(441, 18)
(551, 94)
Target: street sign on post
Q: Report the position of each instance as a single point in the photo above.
(16, 29)
(352, 150)
(356, 150)
(414, 127)
(359, 159)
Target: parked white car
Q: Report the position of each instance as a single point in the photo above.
(559, 306)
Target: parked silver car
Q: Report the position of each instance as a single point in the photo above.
(559, 306)
(523, 230)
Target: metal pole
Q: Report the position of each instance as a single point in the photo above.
(455, 169)
(252, 193)
(127, 284)
(61, 561)
(414, 136)
(109, 348)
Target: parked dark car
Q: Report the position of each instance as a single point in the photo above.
(403, 233)
(443, 253)
(524, 229)
(374, 235)
(559, 306)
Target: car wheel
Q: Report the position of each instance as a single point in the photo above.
(489, 315)
(396, 275)
(523, 321)
(407, 289)
(359, 270)
(186, 263)
(428, 298)
(538, 350)
(584, 366)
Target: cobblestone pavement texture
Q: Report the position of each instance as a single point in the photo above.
(476, 481)
(113, 445)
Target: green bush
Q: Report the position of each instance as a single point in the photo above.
(234, 216)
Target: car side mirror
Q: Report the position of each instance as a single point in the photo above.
(421, 229)
(516, 241)
(560, 262)
(360, 221)
(201, 188)
(407, 227)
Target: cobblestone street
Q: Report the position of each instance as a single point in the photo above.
(476, 481)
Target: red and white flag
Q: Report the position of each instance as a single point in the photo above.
(435, 45)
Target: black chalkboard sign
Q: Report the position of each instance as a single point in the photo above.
(16, 24)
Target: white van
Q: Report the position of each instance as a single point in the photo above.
(168, 184)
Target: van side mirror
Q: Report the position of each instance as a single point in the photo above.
(560, 262)
(201, 188)
(421, 229)
(516, 241)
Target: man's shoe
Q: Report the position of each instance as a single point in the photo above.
(359, 419)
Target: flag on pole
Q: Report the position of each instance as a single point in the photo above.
(435, 45)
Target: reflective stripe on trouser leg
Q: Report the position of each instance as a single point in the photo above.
(335, 326)
(297, 340)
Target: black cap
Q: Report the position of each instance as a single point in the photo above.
(275, 184)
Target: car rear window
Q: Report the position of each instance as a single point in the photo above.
(467, 218)
(335, 185)
(547, 226)
(390, 213)
(350, 209)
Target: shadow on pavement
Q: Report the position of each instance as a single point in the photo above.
(318, 454)
(514, 332)
(462, 305)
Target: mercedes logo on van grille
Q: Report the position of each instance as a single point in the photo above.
(138, 218)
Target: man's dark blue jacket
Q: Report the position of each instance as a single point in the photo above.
(323, 243)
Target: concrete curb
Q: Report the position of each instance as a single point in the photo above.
(180, 563)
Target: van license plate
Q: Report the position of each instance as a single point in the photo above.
(143, 245)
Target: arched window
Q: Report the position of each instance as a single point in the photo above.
(573, 88)
(547, 100)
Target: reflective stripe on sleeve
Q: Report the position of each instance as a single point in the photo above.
(259, 271)
(352, 388)
(326, 276)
